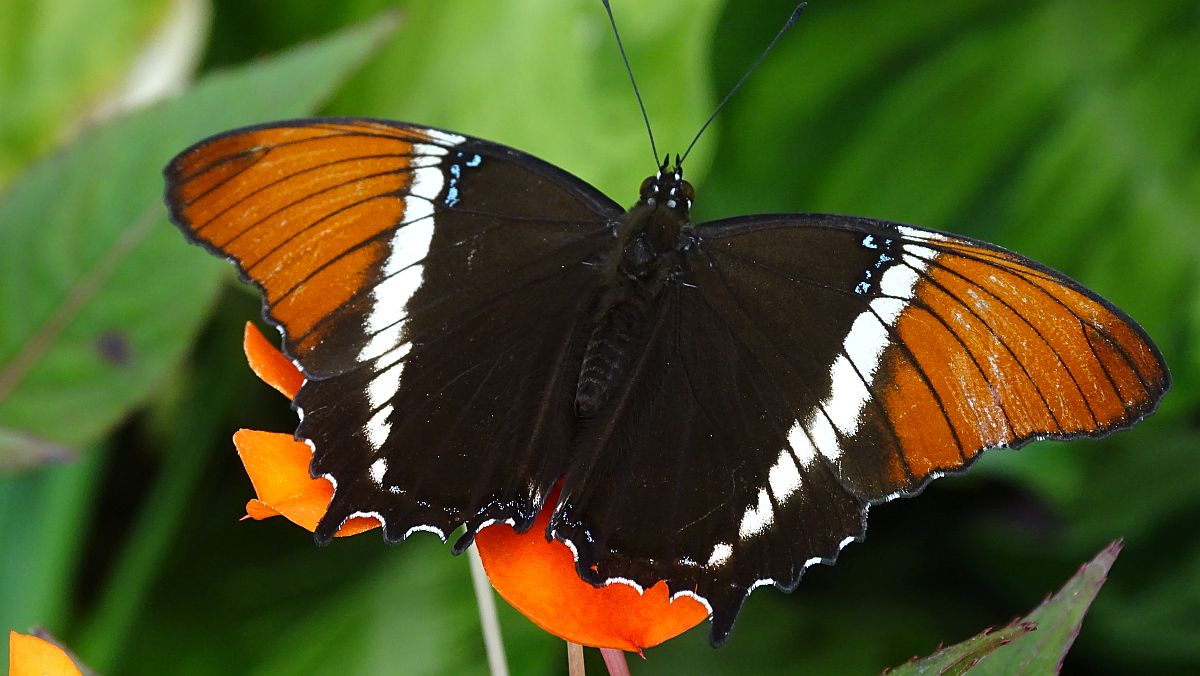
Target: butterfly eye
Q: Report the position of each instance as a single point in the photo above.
(646, 185)
(689, 192)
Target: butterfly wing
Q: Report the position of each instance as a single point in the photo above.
(809, 366)
(430, 286)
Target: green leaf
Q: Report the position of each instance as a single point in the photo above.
(109, 293)
(59, 58)
(437, 620)
(1035, 644)
(1057, 619)
(244, 29)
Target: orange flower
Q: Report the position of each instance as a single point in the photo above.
(537, 577)
(35, 656)
(277, 463)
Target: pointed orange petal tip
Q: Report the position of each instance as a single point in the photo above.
(278, 468)
(538, 578)
(259, 510)
(35, 656)
(269, 364)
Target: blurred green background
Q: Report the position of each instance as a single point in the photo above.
(1066, 130)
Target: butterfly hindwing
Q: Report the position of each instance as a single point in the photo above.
(691, 477)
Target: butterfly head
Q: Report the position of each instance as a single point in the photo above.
(667, 189)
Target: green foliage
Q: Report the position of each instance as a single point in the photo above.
(1060, 129)
(60, 57)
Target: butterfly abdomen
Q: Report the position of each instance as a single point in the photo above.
(614, 344)
(646, 256)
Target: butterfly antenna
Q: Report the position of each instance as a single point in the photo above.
(633, 80)
(786, 26)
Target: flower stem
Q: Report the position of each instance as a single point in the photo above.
(575, 660)
(614, 659)
(488, 619)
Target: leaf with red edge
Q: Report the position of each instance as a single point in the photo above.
(1034, 644)
(1058, 620)
(961, 658)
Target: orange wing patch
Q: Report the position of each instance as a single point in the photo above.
(999, 351)
(301, 208)
(927, 440)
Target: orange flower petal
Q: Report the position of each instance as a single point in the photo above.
(34, 656)
(259, 510)
(538, 578)
(278, 467)
(269, 363)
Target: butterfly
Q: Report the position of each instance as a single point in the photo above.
(718, 404)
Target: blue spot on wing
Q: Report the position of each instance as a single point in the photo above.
(456, 171)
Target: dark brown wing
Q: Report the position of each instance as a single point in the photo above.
(806, 367)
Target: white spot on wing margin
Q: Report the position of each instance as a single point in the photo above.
(703, 601)
(625, 581)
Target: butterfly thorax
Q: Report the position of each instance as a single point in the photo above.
(646, 257)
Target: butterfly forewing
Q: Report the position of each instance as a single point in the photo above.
(333, 219)
(434, 315)
(945, 345)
